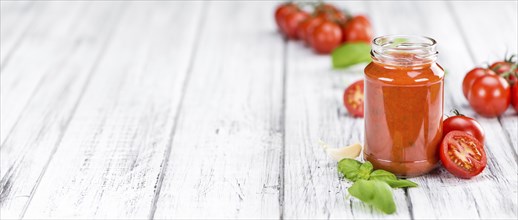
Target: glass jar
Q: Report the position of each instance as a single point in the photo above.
(404, 92)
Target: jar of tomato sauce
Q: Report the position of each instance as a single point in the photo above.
(404, 92)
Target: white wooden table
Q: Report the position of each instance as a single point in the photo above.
(114, 109)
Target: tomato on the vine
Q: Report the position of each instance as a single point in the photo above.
(459, 122)
(331, 13)
(282, 11)
(354, 98)
(357, 29)
(489, 95)
(462, 154)
(471, 76)
(310, 28)
(291, 22)
(326, 37)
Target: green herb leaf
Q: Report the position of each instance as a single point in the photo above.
(375, 193)
(349, 168)
(382, 175)
(401, 183)
(351, 53)
(365, 170)
(391, 179)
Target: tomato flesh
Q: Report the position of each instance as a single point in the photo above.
(462, 155)
(354, 98)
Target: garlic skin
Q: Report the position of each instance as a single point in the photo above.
(337, 154)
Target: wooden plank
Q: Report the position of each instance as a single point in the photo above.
(15, 19)
(31, 143)
(40, 53)
(109, 160)
(441, 195)
(226, 149)
(314, 110)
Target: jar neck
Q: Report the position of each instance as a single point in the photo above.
(404, 50)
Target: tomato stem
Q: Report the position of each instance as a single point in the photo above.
(456, 112)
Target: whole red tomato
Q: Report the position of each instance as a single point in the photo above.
(459, 122)
(471, 76)
(291, 22)
(354, 98)
(357, 29)
(310, 28)
(514, 96)
(326, 37)
(462, 154)
(489, 95)
(282, 11)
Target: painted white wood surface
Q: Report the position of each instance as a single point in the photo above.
(55, 75)
(112, 153)
(230, 124)
(187, 110)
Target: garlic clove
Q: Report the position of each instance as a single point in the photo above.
(337, 154)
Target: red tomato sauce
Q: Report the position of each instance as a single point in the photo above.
(403, 115)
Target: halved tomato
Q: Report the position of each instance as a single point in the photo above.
(353, 99)
(462, 154)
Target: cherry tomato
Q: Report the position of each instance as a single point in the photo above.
(310, 28)
(302, 28)
(282, 11)
(326, 37)
(462, 154)
(353, 99)
(357, 29)
(471, 76)
(489, 95)
(460, 122)
(514, 96)
(291, 22)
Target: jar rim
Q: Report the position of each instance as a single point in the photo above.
(404, 50)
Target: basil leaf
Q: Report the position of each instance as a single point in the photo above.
(351, 53)
(375, 193)
(400, 183)
(349, 168)
(382, 175)
(365, 170)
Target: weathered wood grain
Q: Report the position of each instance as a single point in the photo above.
(60, 81)
(109, 160)
(440, 194)
(41, 52)
(16, 17)
(226, 149)
(314, 110)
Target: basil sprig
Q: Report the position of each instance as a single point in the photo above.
(372, 186)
